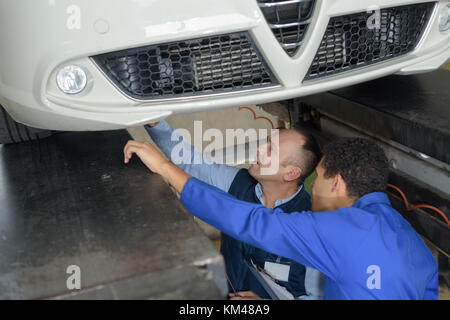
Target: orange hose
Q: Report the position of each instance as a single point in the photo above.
(410, 207)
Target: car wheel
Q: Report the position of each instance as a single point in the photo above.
(14, 132)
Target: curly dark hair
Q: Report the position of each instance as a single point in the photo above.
(361, 163)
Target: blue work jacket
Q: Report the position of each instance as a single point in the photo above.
(366, 251)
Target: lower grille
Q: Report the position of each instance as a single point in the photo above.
(208, 65)
(353, 41)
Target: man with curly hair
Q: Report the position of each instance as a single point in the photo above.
(366, 249)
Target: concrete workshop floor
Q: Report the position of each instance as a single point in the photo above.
(230, 119)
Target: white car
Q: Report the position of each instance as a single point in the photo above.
(109, 64)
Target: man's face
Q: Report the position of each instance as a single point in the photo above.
(322, 195)
(272, 155)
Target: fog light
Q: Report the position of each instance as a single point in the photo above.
(444, 18)
(71, 79)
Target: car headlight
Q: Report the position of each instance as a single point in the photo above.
(444, 18)
(71, 79)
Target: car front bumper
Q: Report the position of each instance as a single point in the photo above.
(39, 38)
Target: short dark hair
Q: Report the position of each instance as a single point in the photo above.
(308, 155)
(361, 163)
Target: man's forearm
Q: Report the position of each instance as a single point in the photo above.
(218, 175)
(176, 177)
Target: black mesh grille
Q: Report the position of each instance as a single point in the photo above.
(357, 40)
(208, 65)
(289, 20)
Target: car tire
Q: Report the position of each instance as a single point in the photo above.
(14, 132)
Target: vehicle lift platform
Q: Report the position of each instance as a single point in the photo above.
(69, 200)
(409, 116)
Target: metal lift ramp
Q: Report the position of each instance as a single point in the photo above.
(69, 200)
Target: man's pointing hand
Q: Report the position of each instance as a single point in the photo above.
(148, 154)
(156, 162)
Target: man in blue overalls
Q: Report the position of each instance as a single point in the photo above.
(365, 248)
(298, 154)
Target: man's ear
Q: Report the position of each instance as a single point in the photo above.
(293, 173)
(336, 184)
(340, 186)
